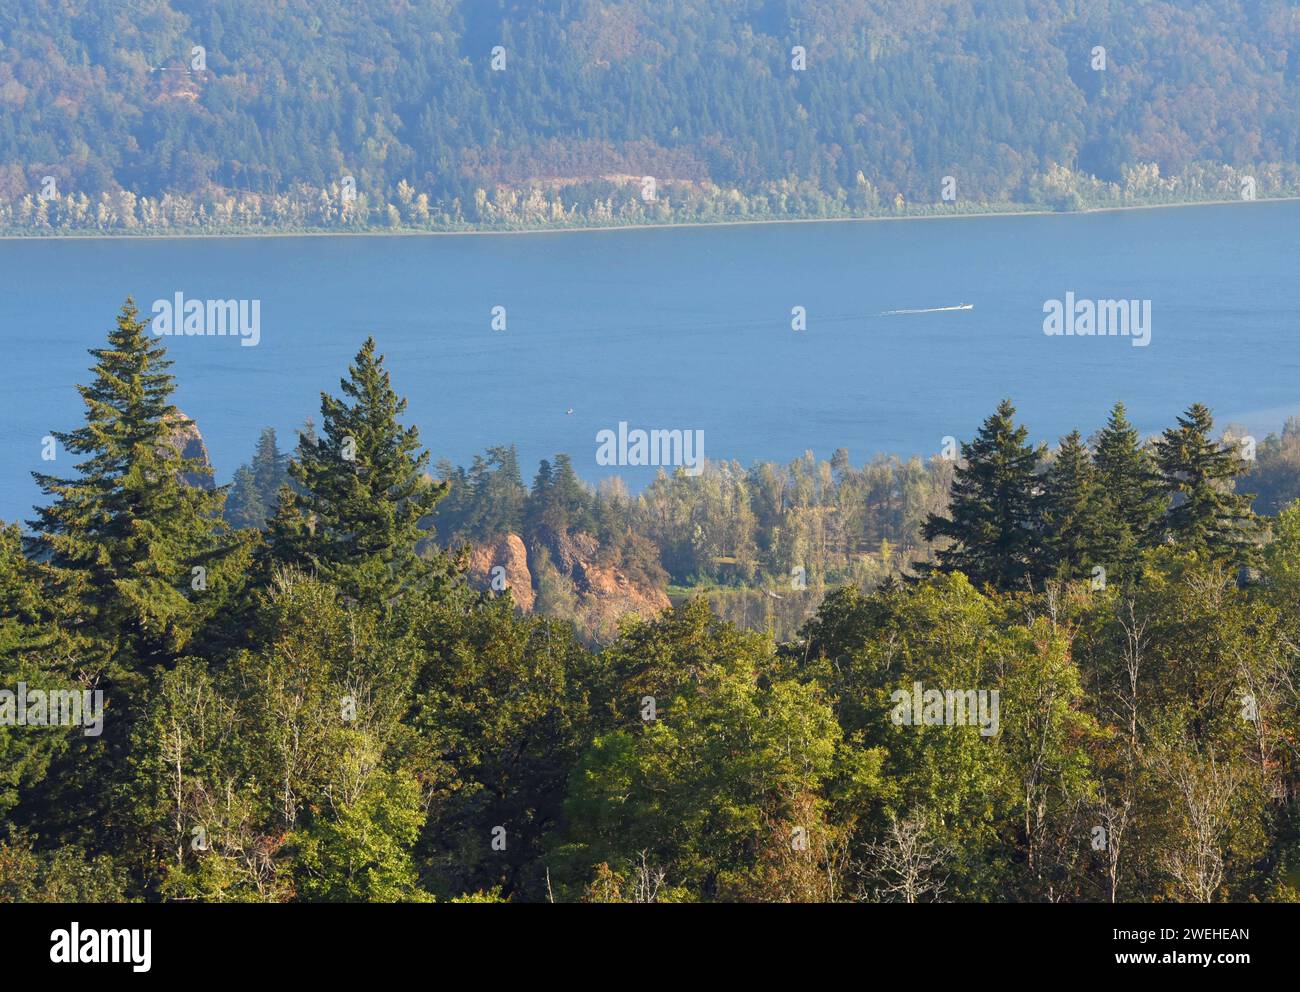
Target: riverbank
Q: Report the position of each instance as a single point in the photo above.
(984, 213)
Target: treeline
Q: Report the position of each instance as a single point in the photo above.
(603, 202)
(727, 526)
(324, 115)
(325, 711)
(1092, 513)
(767, 542)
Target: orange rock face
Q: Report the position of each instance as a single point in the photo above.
(510, 556)
(605, 594)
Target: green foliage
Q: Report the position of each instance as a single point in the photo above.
(1275, 474)
(729, 759)
(995, 506)
(1197, 473)
(63, 876)
(1133, 504)
(405, 99)
(255, 491)
(363, 854)
(503, 708)
(348, 721)
(134, 564)
(1074, 512)
(364, 491)
(123, 535)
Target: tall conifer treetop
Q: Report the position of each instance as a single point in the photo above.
(1199, 475)
(364, 488)
(1074, 537)
(1132, 500)
(995, 506)
(124, 532)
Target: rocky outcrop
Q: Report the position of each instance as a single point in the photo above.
(509, 554)
(606, 595)
(185, 438)
(605, 592)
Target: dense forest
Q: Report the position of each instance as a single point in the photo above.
(166, 115)
(1081, 688)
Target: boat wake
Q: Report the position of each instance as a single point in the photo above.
(897, 313)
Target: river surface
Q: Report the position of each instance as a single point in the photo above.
(686, 328)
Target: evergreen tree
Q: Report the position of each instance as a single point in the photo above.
(994, 510)
(244, 506)
(570, 496)
(1074, 539)
(287, 536)
(1133, 504)
(504, 495)
(125, 534)
(270, 469)
(364, 490)
(255, 491)
(136, 565)
(541, 515)
(27, 637)
(559, 500)
(1198, 475)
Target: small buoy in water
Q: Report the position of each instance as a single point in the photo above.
(569, 411)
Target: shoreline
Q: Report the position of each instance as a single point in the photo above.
(672, 225)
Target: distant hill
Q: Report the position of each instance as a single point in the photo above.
(288, 99)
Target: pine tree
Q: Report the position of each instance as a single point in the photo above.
(540, 512)
(1073, 536)
(255, 490)
(1133, 504)
(363, 491)
(28, 638)
(136, 565)
(124, 535)
(244, 506)
(569, 496)
(505, 494)
(994, 508)
(1198, 475)
(270, 469)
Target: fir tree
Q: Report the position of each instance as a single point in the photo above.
(504, 494)
(270, 469)
(136, 566)
(994, 510)
(1074, 540)
(125, 534)
(244, 506)
(363, 490)
(1198, 475)
(255, 490)
(569, 496)
(1133, 504)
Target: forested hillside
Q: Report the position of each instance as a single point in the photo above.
(231, 114)
(1088, 693)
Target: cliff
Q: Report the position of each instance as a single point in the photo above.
(509, 554)
(602, 593)
(188, 442)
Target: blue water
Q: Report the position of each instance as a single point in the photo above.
(683, 328)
